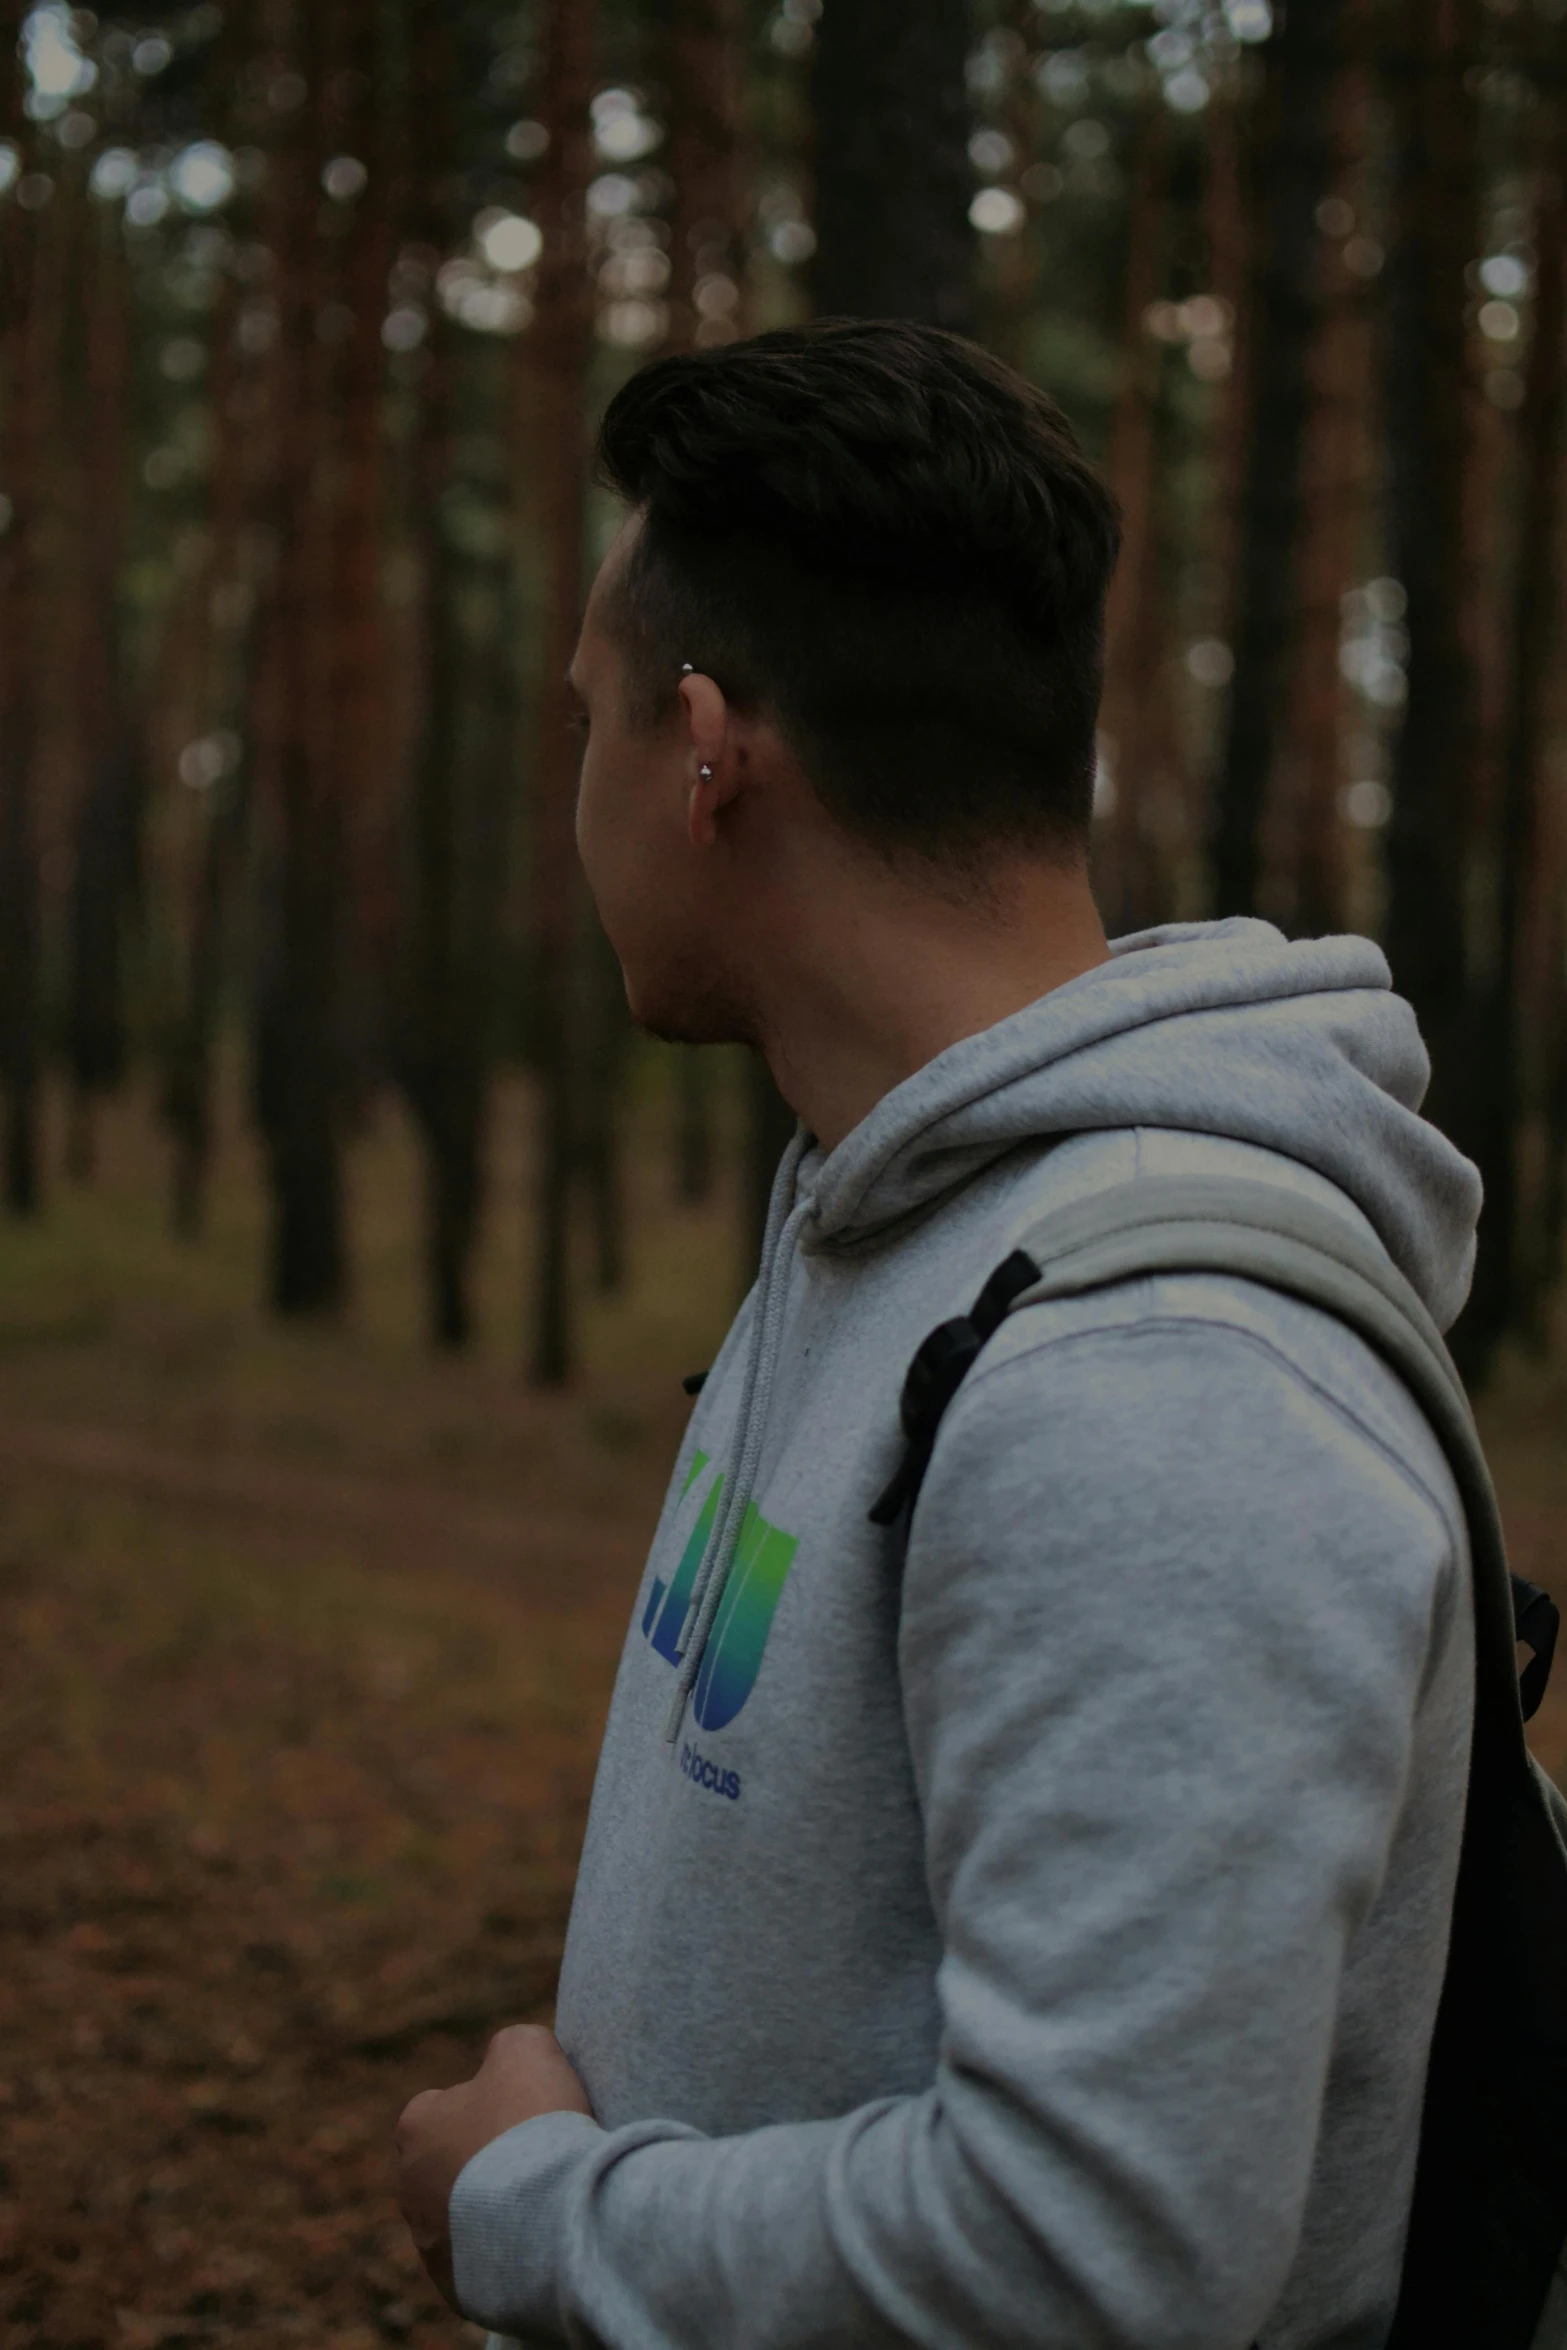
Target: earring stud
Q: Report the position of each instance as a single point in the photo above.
(705, 773)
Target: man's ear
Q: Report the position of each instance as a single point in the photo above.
(712, 758)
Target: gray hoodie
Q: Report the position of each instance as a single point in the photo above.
(1026, 1929)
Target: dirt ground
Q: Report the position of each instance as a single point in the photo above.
(305, 1642)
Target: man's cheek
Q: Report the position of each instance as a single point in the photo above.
(587, 802)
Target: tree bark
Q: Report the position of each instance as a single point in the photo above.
(209, 883)
(707, 165)
(1521, 1010)
(893, 180)
(1136, 717)
(1229, 233)
(373, 81)
(297, 1046)
(108, 813)
(1428, 451)
(555, 358)
(444, 1026)
(443, 1041)
(1300, 66)
(1336, 485)
(437, 1057)
(28, 255)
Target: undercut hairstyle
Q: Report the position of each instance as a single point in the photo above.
(893, 545)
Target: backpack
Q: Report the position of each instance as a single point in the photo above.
(1485, 2261)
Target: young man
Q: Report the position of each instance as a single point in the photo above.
(1022, 1926)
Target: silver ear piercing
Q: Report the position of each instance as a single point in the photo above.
(704, 772)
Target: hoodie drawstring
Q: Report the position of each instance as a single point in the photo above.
(784, 1218)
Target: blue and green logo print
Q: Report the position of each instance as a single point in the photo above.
(733, 1657)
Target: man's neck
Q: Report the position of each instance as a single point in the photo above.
(875, 982)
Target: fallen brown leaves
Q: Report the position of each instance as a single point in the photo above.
(279, 1844)
(305, 1640)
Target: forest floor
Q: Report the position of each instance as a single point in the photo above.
(305, 1643)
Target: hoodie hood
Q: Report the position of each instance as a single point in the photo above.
(1220, 1028)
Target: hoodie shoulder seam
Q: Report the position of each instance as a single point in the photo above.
(1169, 1324)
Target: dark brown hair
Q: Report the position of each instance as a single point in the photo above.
(885, 537)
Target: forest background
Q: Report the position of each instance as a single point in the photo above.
(352, 1245)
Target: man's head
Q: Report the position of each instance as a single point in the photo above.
(858, 607)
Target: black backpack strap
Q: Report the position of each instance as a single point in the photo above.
(1536, 1622)
(938, 1371)
(1490, 2204)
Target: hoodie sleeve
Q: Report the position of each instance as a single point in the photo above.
(1173, 1631)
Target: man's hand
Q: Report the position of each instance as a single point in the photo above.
(524, 2074)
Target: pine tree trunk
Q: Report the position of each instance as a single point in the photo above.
(1007, 313)
(108, 814)
(23, 236)
(372, 96)
(212, 878)
(443, 1043)
(297, 1078)
(1229, 235)
(707, 165)
(1300, 65)
(188, 1087)
(237, 398)
(1521, 1010)
(893, 180)
(1336, 483)
(437, 1058)
(1428, 448)
(443, 1048)
(1136, 726)
(555, 357)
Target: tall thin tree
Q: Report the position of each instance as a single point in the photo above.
(1136, 695)
(373, 129)
(1427, 410)
(28, 247)
(1300, 67)
(1520, 1014)
(297, 1086)
(209, 887)
(444, 1014)
(1336, 483)
(552, 439)
(107, 821)
(893, 179)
